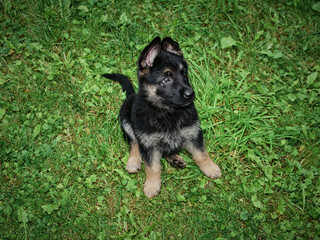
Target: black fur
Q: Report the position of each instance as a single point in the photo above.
(124, 82)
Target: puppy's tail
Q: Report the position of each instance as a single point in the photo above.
(124, 82)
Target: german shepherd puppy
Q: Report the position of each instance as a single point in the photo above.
(161, 118)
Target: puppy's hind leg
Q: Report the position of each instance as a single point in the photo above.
(134, 160)
(176, 161)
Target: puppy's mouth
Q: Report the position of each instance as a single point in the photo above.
(187, 98)
(183, 101)
(184, 105)
(181, 104)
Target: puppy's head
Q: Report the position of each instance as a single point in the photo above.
(163, 75)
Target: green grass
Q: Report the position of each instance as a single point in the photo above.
(255, 69)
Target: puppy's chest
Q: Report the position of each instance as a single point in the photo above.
(169, 139)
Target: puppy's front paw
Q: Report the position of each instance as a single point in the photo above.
(210, 169)
(133, 165)
(151, 188)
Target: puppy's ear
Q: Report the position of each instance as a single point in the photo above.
(149, 53)
(171, 46)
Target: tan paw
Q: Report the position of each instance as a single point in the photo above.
(152, 188)
(133, 165)
(210, 169)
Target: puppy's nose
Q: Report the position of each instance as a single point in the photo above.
(188, 93)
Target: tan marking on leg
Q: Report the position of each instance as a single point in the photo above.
(134, 160)
(206, 165)
(153, 176)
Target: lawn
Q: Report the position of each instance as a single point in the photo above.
(255, 68)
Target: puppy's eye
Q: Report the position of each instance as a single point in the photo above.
(166, 80)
